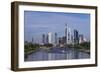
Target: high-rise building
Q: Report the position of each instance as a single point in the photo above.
(32, 40)
(59, 40)
(81, 39)
(46, 41)
(69, 41)
(43, 39)
(72, 39)
(63, 40)
(68, 35)
(56, 39)
(50, 37)
(76, 37)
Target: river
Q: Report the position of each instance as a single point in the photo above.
(57, 54)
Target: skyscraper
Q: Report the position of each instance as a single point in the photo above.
(46, 41)
(69, 36)
(32, 40)
(56, 39)
(43, 39)
(66, 32)
(76, 37)
(81, 38)
(50, 37)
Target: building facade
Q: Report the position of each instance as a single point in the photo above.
(81, 38)
(50, 37)
(43, 39)
(76, 37)
(68, 35)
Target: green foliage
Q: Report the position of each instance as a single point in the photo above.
(31, 47)
(48, 45)
(85, 45)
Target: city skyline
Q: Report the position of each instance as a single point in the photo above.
(38, 23)
(69, 38)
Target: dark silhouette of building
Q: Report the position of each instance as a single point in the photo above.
(32, 40)
(62, 41)
(56, 38)
(47, 39)
(76, 37)
(43, 39)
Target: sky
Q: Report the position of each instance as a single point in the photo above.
(37, 23)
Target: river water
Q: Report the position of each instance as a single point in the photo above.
(57, 54)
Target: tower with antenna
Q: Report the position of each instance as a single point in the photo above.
(66, 29)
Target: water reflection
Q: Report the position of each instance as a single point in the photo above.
(57, 54)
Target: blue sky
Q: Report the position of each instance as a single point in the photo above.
(37, 23)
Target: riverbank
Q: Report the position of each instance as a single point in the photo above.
(85, 50)
(30, 52)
